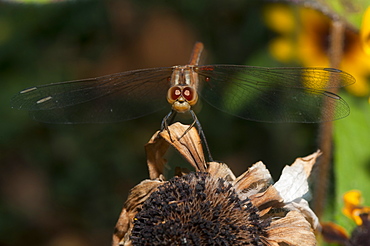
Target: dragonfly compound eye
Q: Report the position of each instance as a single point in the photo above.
(190, 95)
(173, 94)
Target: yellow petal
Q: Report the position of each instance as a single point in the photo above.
(282, 49)
(353, 197)
(279, 18)
(357, 212)
(365, 32)
(361, 87)
(353, 209)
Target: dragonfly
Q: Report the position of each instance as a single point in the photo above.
(266, 94)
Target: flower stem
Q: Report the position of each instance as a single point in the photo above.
(326, 128)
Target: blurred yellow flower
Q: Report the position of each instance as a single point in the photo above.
(352, 206)
(304, 36)
(353, 209)
(365, 31)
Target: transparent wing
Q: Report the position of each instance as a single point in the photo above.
(275, 94)
(110, 98)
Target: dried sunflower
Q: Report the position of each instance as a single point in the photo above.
(213, 207)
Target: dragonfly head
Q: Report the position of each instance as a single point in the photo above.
(182, 98)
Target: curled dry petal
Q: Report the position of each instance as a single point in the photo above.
(293, 229)
(184, 139)
(155, 150)
(293, 186)
(220, 170)
(293, 181)
(254, 179)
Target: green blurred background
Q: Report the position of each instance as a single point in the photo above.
(66, 184)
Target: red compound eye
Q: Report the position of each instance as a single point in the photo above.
(189, 94)
(174, 93)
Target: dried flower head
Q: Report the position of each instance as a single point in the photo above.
(197, 209)
(213, 207)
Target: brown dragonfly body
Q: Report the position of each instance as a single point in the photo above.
(185, 81)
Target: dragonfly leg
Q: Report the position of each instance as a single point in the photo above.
(168, 120)
(201, 133)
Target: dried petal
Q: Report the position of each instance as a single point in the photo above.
(293, 229)
(293, 186)
(293, 181)
(155, 150)
(255, 179)
(220, 170)
(186, 140)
